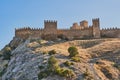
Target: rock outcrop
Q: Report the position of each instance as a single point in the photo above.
(96, 59)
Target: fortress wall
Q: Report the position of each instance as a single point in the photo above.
(25, 33)
(111, 33)
(36, 33)
(50, 31)
(76, 33)
(49, 34)
(62, 31)
(22, 32)
(85, 33)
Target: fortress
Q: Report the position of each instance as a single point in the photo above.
(82, 31)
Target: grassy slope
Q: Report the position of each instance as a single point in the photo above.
(104, 52)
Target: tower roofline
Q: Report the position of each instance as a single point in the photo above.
(50, 21)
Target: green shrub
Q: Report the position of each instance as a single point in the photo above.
(42, 75)
(59, 71)
(2, 72)
(45, 52)
(52, 52)
(52, 63)
(6, 65)
(67, 63)
(39, 41)
(7, 53)
(117, 66)
(51, 68)
(75, 59)
(0, 55)
(87, 75)
(41, 67)
(65, 72)
(73, 51)
(32, 40)
(68, 73)
(52, 60)
(54, 68)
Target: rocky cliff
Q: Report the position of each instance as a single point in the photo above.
(98, 59)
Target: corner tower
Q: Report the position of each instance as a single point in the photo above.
(96, 28)
(84, 24)
(50, 30)
(50, 24)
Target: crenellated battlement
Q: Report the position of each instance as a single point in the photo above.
(50, 24)
(36, 29)
(114, 28)
(77, 31)
(27, 28)
(50, 21)
(22, 29)
(110, 32)
(95, 19)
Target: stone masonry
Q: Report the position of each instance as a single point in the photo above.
(82, 31)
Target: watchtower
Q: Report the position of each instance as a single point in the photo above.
(84, 24)
(96, 22)
(96, 28)
(75, 26)
(50, 30)
(50, 24)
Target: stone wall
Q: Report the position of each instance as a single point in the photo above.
(82, 31)
(23, 32)
(50, 34)
(110, 33)
(76, 33)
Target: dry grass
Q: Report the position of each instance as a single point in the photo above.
(107, 48)
(106, 70)
(90, 49)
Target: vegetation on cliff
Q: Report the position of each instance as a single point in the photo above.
(75, 60)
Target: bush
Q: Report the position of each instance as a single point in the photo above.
(67, 63)
(52, 60)
(0, 55)
(68, 73)
(7, 53)
(32, 40)
(45, 52)
(58, 71)
(42, 75)
(65, 72)
(2, 72)
(51, 68)
(52, 63)
(87, 75)
(54, 68)
(52, 52)
(73, 51)
(75, 59)
(39, 41)
(117, 66)
(41, 67)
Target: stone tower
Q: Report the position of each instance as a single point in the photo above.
(50, 30)
(96, 28)
(84, 24)
(50, 24)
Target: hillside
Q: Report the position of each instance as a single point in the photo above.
(98, 59)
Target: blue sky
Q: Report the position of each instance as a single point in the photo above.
(22, 13)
